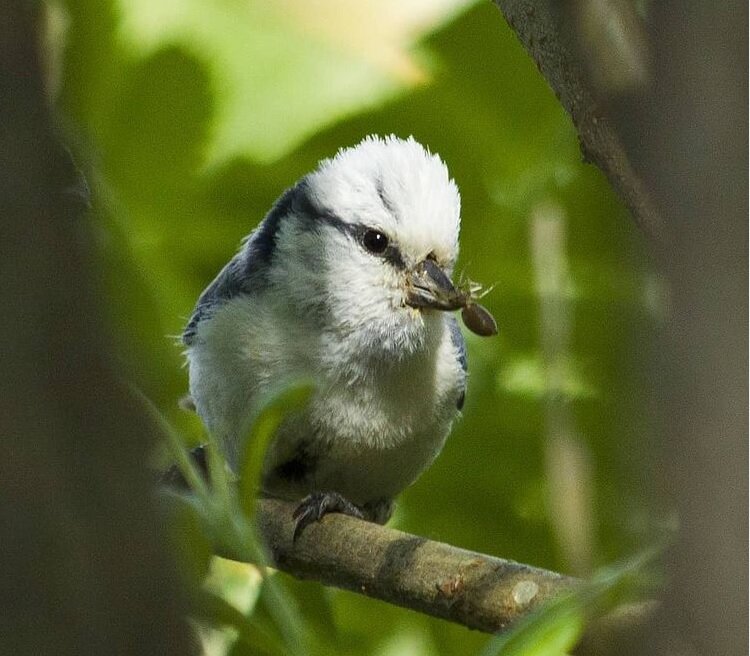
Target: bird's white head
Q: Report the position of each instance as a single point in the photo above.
(368, 244)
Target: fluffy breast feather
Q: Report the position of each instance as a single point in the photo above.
(393, 418)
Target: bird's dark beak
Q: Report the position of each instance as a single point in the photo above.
(430, 287)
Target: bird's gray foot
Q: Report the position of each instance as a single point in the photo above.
(317, 504)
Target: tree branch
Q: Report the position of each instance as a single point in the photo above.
(481, 592)
(542, 28)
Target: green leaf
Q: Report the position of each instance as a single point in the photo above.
(315, 605)
(280, 605)
(237, 583)
(278, 405)
(175, 443)
(551, 631)
(186, 528)
(555, 628)
(253, 635)
(283, 70)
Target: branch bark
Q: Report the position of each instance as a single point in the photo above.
(542, 29)
(479, 591)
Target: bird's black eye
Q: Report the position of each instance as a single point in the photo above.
(375, 241)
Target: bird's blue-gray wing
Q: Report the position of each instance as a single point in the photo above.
(459, 343)
(245, 272)
(229, 283)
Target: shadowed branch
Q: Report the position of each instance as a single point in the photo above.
(555, 37)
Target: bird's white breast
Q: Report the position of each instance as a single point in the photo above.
(379, 420)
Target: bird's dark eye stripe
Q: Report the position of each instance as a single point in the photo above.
(390, 254)
(393, 256)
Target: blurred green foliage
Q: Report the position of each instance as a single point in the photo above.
(192, 117)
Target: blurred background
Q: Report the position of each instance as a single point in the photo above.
(190, 118)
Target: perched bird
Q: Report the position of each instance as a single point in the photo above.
(347, 280)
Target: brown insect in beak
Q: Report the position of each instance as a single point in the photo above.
(478, 320)
(430, 287)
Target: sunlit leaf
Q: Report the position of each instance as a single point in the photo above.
(284, 69)
(229, 630)
(237, 583)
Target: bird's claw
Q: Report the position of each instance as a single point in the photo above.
(317, 504)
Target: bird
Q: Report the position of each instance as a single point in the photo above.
(347, 281)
